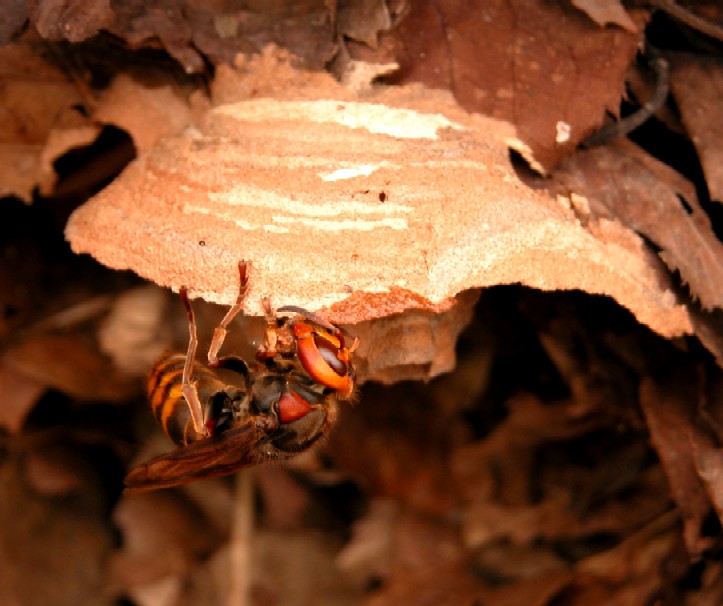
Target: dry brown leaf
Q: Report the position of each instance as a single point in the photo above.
(195, 33)
(630, 573)
(140, 25)
(448, 586)
(711, 590)
(421, 545)
(538, 591)
(13, 15)
(367, 555)
(403, 200)
(163, 535)
(417, 549)
(579, 343)
(625, 183)
(38, 120)
(520, 563)
(603, 12)
(304, 27)
(137, 330)
(508, 450)
(708, 456)
(297, 569)
(167, 591)
(540, 65)
(496, 478)
(359, 75)
(402, 453)
(557, 518)
(363, 20)
(709, 329)
(66, 364)
(146, 114)
(74, 21)
(669, 405)
(59, 142)
(57, 470)
(709, 465)
(392, 543)
(20, 393)
(285, 501)
(53, 551)
(697, 85)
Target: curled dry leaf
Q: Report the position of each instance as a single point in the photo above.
(69, 365)
(138, 25)
(543, 66)
(194, 34)
(447, 586)
(146, 114)
(163, 535)
(13, 16)
(408, 548)
(39, 121)
(290, 568)
(285, 500)
(603, 12)
(364, 206)
(136, 331)
(629, 573)
(422, 545)
(363, 21)
(497, 477)
(537, 591)
(510, 561)
(709, 329)
(697, 85)
(367, 555)
(73, 21)
(20, 393)
(402, 454)
(59, 470)
(709, 465)
(669, 407)
(623, 183)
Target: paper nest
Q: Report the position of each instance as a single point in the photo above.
(365, 204)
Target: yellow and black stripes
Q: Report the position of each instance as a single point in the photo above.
(164, 388)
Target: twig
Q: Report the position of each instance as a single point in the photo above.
(241, 536)
(661, 68)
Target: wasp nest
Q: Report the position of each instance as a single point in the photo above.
(365, 203)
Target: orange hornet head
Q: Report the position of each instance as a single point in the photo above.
(324, 355)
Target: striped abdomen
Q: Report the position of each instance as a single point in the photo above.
(221, 400)
(163, 387)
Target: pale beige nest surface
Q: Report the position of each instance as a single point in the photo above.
(363, 203)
